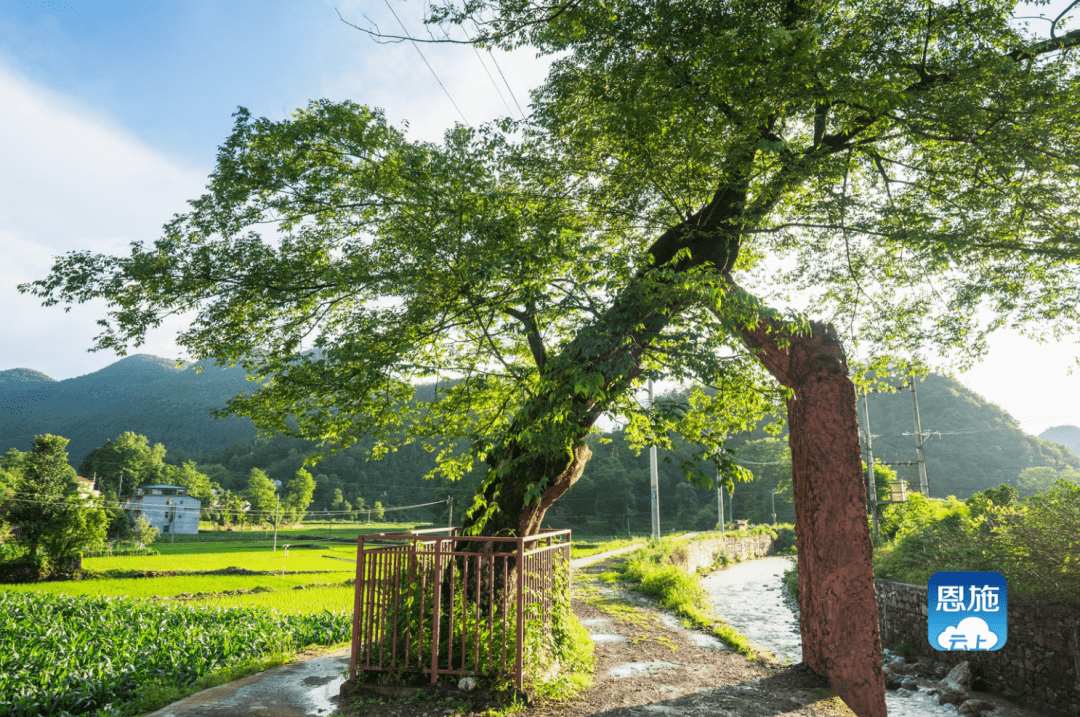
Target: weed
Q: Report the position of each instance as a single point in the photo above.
(653, 573)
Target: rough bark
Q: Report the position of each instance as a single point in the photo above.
(840, 633)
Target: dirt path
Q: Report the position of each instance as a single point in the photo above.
(648, 665)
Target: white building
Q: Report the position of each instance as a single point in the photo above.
(168, 508)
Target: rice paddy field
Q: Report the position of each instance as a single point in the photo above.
(206, 604)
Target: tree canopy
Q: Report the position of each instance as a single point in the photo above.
(125, 463)
(685, 166)
(48, 505)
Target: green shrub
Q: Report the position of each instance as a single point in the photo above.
(785, 533)
(560, 642)
(1033, 542)
(651, 569)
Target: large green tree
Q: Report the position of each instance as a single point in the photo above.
(124, 463)
(262, 494)
(48, 506)
(298, 495)
(911, 165)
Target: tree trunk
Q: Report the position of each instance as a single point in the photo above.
(544, 454)
(840, 633)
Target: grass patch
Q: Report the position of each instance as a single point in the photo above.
(177, 584)
(650, 571)
(158, 693)
(583, 549)
(791, 581)
(290, 602)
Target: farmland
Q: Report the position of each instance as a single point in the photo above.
(219, 603)
(205, 605)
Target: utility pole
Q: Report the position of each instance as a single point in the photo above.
(920, 440)
(276, 503)
(654, 480)
(774, 506)
(719, 501)
(870, 467)
(450, 521)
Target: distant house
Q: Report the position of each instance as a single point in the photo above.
(168, 508)
(86, 487)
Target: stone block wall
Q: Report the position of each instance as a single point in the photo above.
(695, 555)
(1040, 659)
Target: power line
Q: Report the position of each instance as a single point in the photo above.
(508, 88)
(157, 508)
(488, 73)
(493, 82)
(427, 63)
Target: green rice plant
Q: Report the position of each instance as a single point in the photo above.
(81, 655)
(338, 600)
(221, 557)
(178, 584)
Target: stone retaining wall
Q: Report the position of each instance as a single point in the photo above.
(695, 555)
(1041, 656)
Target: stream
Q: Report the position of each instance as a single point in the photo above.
(750, 596)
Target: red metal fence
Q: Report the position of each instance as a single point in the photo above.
(453, 604)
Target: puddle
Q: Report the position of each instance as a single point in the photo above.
(595, 622)
(696, 638)
(606, 637)
(700, 639)
(632, 669)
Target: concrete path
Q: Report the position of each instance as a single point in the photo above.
(304, 688)
(578, 563)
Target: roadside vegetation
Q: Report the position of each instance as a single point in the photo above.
(1034, 541)
(652, 571)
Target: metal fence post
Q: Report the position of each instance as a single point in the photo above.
(519, 665)
(436, 599)
(357, 607)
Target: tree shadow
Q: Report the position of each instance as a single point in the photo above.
(792, 691)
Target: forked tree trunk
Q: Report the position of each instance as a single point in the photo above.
(840, 634)
(841, 639)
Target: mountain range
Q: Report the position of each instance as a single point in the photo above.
(972, 444)
(146, 394)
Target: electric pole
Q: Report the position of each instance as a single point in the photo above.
(920, 440)
(774, 506)
(870, 467)
(719, 501)
(276, 503)
(654, 480)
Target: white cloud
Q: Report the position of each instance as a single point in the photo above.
(971, 631)
(72, 181)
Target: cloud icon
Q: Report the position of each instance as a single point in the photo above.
(971, 634)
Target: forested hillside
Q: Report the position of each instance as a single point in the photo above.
(141, 393)
(973, 444)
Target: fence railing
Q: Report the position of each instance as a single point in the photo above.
(453, 604)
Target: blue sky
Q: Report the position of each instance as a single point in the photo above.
(111, 113)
